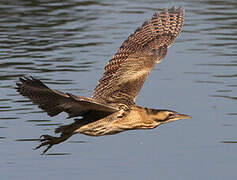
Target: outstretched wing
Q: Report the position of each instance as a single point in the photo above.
(127, 71)
(55, 102)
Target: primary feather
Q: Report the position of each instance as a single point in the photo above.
(54, 102)
(127, 71)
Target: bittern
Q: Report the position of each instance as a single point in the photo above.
(112, 108)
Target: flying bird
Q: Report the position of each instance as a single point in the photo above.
(112, 108)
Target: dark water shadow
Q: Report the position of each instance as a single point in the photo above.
(228, 142)
(27, 140)
(57, 154)
(80, 142)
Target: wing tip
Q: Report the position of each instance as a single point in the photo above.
(30, 81)
(161, 16)
(174, 9)
(179, 11)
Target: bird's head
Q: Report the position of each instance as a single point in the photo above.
(162, 116)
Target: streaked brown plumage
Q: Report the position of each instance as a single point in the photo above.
(112, 108)
(137, 56)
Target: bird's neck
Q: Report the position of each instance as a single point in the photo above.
(138, 118)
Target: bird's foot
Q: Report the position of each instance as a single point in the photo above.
(49, 141)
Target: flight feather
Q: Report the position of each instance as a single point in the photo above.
(54, 102)
(127, 71)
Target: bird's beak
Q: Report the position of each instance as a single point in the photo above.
(182, 116)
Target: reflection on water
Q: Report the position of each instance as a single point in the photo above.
(228, 142)
(27, 140)
(228, 97)
(58, 154)
(66, 44)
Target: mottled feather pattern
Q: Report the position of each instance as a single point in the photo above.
(166, 23)
(158, 33)
(47, 99)
(54, 102)
(112, 108)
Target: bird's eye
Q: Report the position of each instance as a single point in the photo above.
(171, 114)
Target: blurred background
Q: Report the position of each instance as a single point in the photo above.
(67, 43)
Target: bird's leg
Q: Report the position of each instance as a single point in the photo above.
(66, 132)
(49, 141)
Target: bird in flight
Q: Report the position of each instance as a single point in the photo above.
(112, 108)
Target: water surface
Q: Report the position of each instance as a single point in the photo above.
(67, 44)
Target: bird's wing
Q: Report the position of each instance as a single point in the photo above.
(127, 71)
(55, 102)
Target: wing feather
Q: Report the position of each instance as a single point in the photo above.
(55, 102)
(127, 71)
